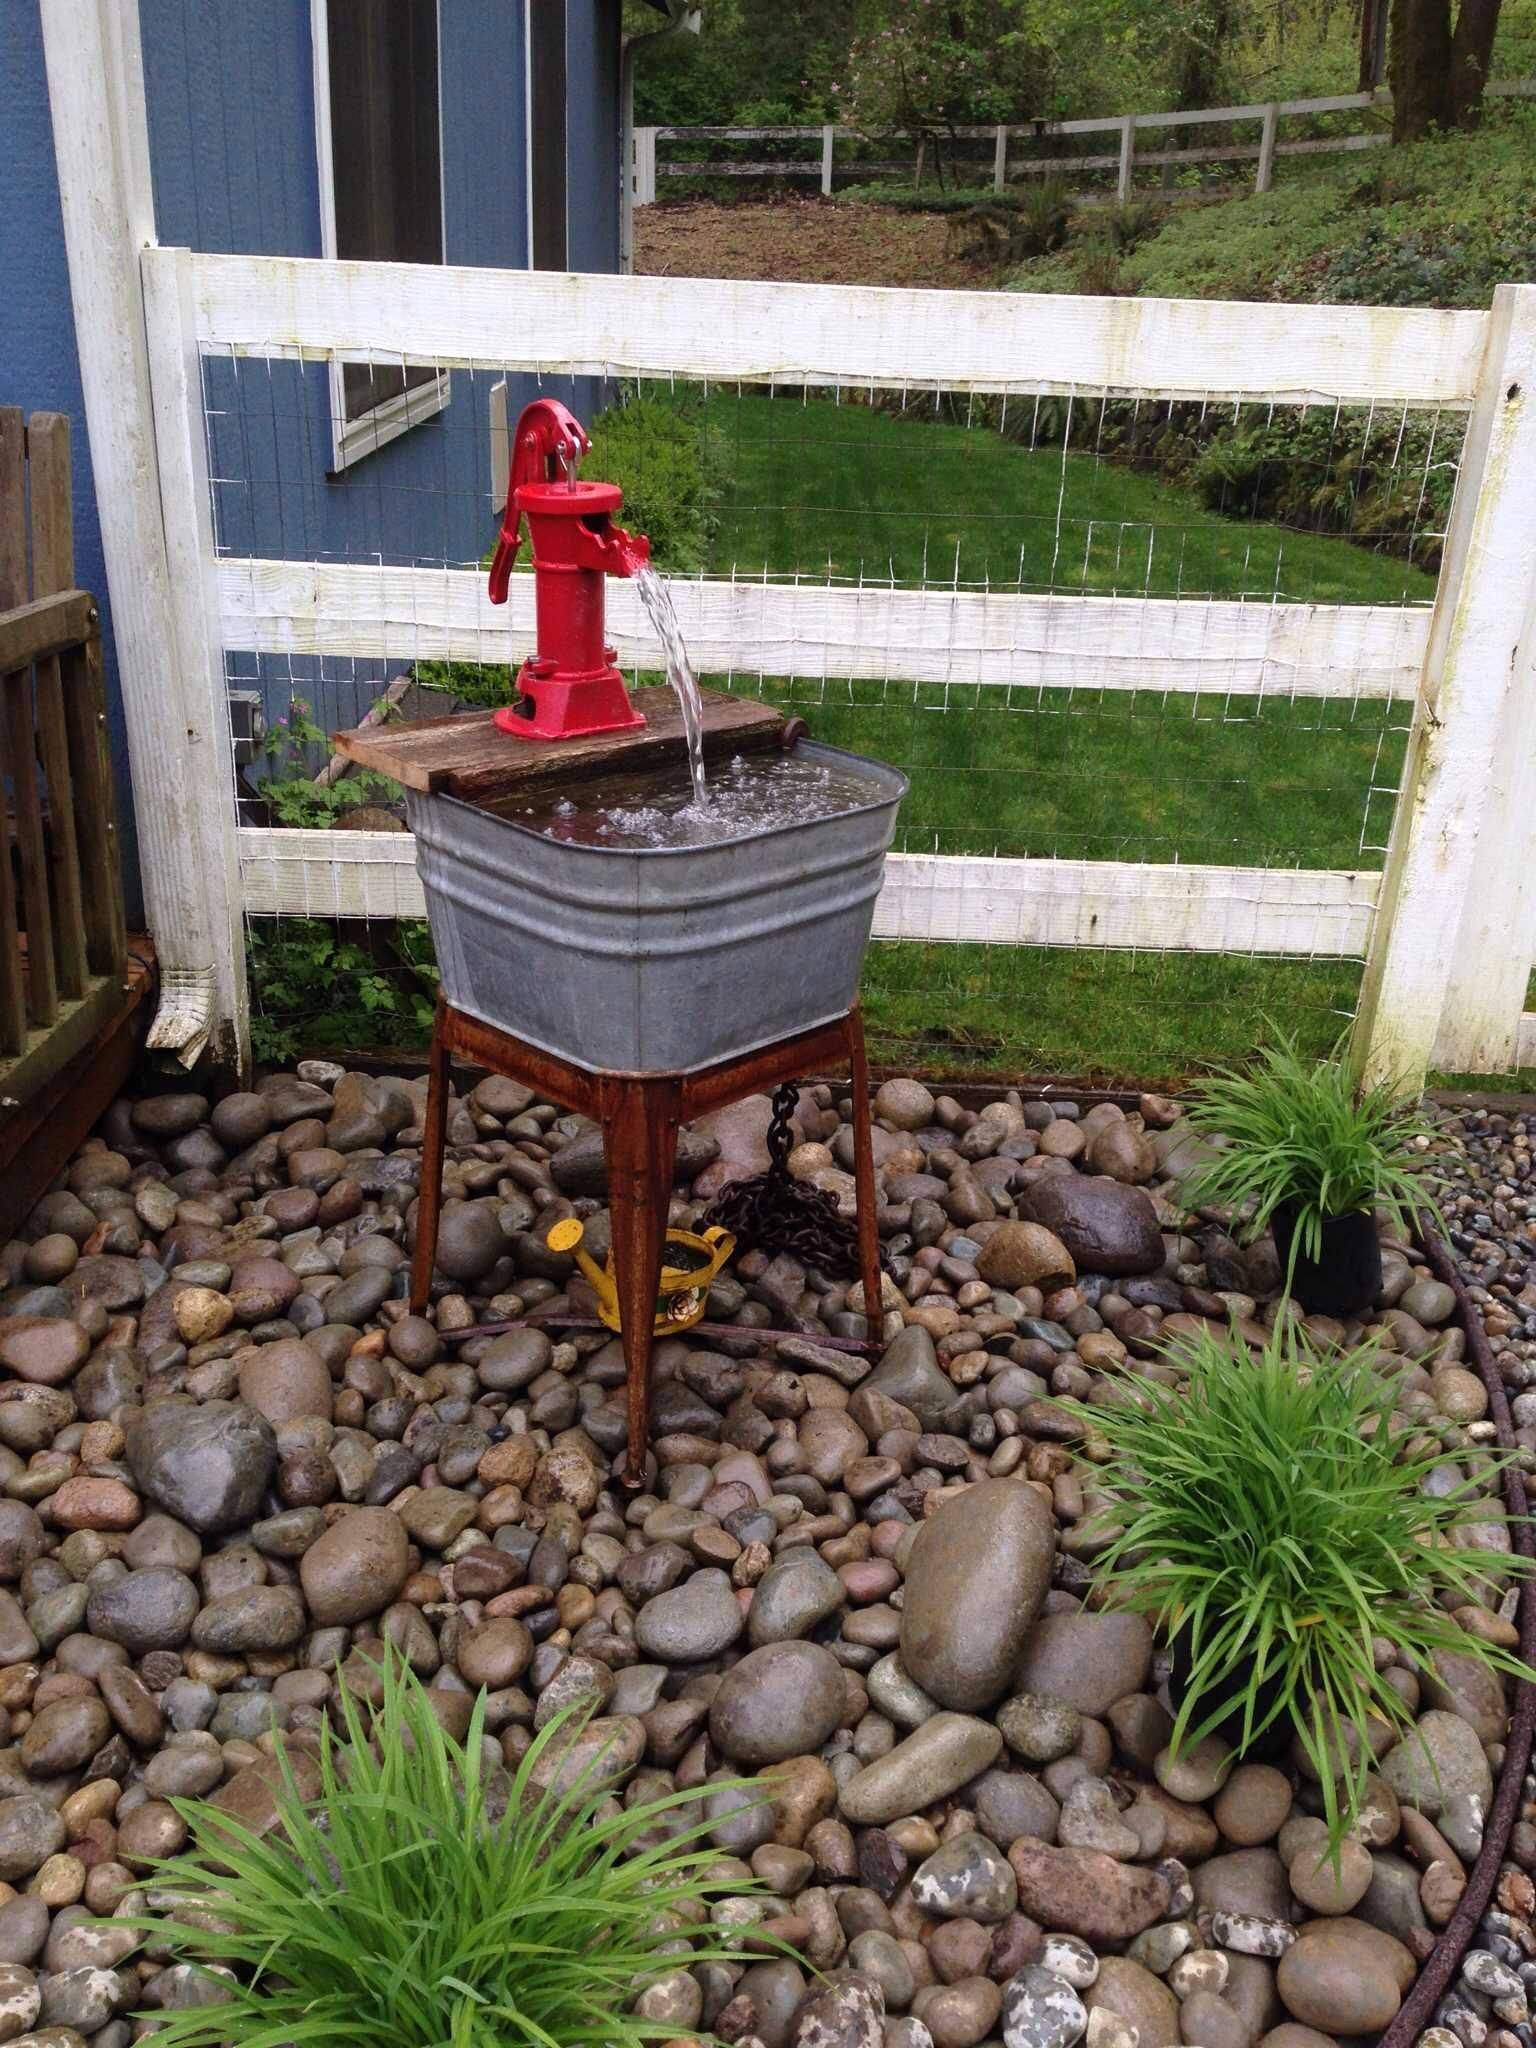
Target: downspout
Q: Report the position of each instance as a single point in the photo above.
(680, 14)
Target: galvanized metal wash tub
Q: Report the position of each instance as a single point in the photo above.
(655, 959)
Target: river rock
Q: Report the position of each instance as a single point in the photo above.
(1138, 1998)
(909, 1372)
(976, 1576)
(1335, 1981)
(285, 1381)
(797, 1591)
(30, 1832)
(1088, 1660)
(1437, 1760)
(208, 1465)
(780, 1701)
(1083, 1891)
(146, 1610)
(47, 1351)
(1041, 2010)
(935, 1760)
(1025, 1255)
(697, 1619)
(1107, 1226)
(965, 1878)
(357, 1567)
(581, 1167)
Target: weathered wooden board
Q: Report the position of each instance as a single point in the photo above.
(733, 329)
(470, 757)
(1222, 646)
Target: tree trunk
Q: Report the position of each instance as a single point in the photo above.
(1471, 57)
(1200, 56)
(1373, 45)
(1419, 67)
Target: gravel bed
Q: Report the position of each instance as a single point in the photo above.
(232, 1463)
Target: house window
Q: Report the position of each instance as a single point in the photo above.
(378, 134)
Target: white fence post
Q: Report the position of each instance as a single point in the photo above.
(1454, 910)
(178, 740)
(1127, 158)
(645, 167)
(1266, 171)
(1000, 158)
(828, 144)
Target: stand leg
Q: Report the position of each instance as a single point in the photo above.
(429, 1204)
(640, 1119)
(864, 1178)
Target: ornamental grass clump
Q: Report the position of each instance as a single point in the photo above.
(401, 1908)
(1303, 1137)
(1272, 1521)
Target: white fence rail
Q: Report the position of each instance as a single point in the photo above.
(1462, 843)
(648, 165)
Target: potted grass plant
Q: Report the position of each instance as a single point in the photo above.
(416, 1897)
(1313, 1154)
(1271, 1521)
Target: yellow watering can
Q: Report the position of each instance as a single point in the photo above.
(682, 1289)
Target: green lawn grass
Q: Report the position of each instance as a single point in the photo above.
(816, 488)
(819, 489)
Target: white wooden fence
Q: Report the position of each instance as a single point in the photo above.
(1446, 931)
(1436, 986)
(649, 165)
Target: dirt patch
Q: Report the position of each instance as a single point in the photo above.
(806, 241)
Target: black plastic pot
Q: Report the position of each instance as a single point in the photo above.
(1347, 1278)
(1265, 1748)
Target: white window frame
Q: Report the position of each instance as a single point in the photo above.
(351, 440)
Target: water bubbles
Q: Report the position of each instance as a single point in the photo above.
(757, 793)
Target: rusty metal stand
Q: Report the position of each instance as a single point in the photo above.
(640, 1115)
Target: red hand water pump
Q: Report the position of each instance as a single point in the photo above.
(570, 686)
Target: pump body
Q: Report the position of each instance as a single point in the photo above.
(570, 687)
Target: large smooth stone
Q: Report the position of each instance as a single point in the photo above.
(1083, 1891)
(976, 1576)
(1440, 1758)
(1089, 1660)
(207, 1465)
(144, 1610)
(1340, 1978)
(1106, 1226)
(910, 1373)
(697, 1619)
(783, 1700)
(935, 1760)
(797, 1591)
(581, 1167)
(357, 1567)
(1133, 1994)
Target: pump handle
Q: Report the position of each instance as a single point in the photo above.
(549, 439)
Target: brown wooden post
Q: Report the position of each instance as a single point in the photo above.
(429, 1193)
(640, 1117)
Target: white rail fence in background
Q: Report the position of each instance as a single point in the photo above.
(648, 165)
(1446, 930)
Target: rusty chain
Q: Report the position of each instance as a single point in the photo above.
(774, 1212)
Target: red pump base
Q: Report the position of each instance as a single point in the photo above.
(566, 707)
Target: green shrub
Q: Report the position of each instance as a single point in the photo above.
(660, 452)
(1306, 1134)
(333, 987)
(1272, 1520)
(424, 1901)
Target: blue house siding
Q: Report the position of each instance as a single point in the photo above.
(39, 369)
(229, 92)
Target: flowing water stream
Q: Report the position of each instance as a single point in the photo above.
(657, 599)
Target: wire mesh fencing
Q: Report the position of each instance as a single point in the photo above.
(1149, 665)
